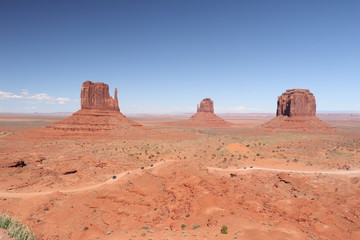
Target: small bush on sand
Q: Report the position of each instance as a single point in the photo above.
(196, 226)
(224, 229)
(15, 228)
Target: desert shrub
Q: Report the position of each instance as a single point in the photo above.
(196, 226)
(15, 228)
(224, 229)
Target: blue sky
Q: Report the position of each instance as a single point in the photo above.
(165, 56)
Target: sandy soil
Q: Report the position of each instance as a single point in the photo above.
(260, 184)
(4, 235)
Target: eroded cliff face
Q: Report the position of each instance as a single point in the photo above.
(206, 105)
(296, 102)
(95, 95)
(99, 116)
(296, 110)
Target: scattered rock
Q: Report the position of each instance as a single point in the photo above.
(355, 180)
(18, 164)
(345, 167)
(70, 172)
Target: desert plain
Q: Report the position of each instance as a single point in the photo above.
(179, 181)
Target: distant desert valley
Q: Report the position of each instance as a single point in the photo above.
(98, 174)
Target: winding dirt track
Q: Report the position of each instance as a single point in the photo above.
(348, 172)
(140, 171)
(82, 189)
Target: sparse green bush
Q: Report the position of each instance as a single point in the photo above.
(15, 228)
(196, 226)
(224, 229)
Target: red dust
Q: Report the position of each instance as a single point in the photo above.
(184, 196)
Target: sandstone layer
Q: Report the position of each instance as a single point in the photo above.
(296, 110)
(90, 122)
(205, 116)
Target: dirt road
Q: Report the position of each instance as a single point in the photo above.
(140, 171)
(348, 172)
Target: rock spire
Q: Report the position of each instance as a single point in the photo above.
(95, 95)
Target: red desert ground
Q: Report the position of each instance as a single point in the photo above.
(99, 175)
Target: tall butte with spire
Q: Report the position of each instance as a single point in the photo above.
(99, 115)
(96, 96)
(206, 117)
(296, 110)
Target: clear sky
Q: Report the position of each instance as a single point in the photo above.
(165, 56)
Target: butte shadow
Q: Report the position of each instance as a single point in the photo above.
(296, 111)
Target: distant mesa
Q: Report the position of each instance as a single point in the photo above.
(99, 116)
(206, 117)
(100, 113)
(296, 110)
(296, 102)
(206, 105)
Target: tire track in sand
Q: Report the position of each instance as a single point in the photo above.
(140, 171)
(82, 189)
(347, 172)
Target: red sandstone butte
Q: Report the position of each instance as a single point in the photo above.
(96, 96)
(206, 105)
(296, 110)
(296, 102)
(205, 116)
(99, 116)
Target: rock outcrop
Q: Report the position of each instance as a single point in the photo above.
(96, 96)
(99, 116)
(296, 102)
(205, 116)
(296, 110)
(206, 105)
